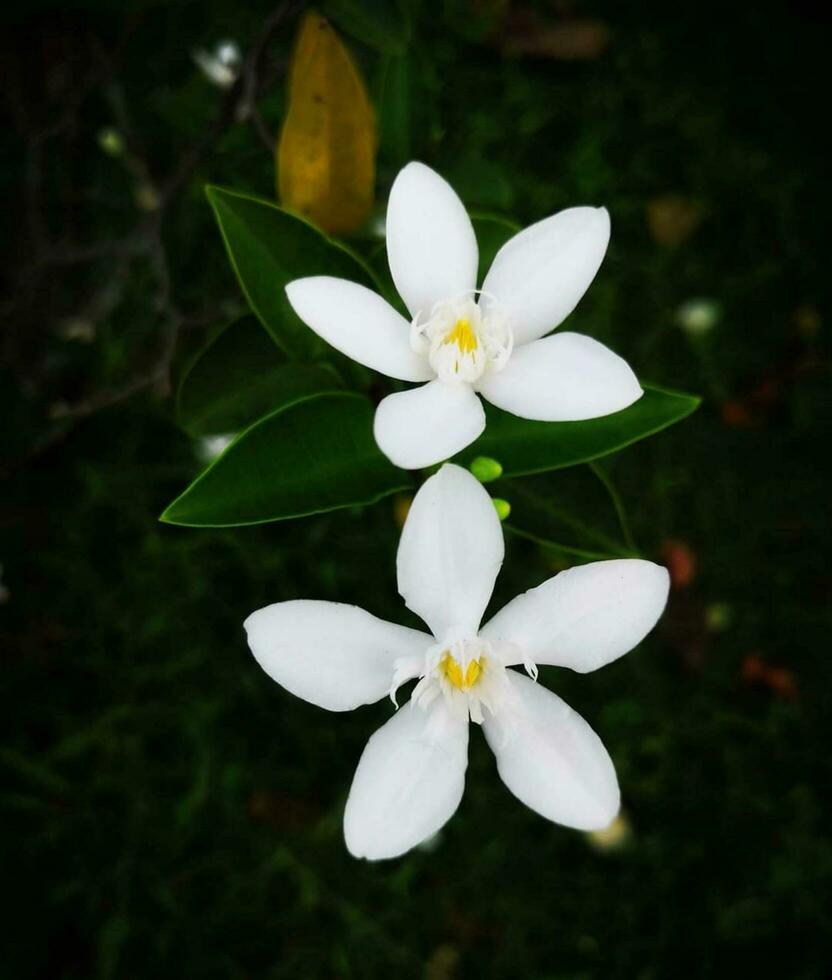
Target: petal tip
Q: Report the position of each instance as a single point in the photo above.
(294, 290)
(415, 167)
(636, 389)
(410, 171)
(363, 851)
(606, 814)
(663, 581)
(354, 845)
(250, 620)
(604, 222)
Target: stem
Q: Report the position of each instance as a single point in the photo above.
(557, 546)
(621, 514)
(598, 537)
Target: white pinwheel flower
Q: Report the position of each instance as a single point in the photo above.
(411, 776)
(465, 341)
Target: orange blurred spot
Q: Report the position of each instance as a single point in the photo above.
(282, 811)
(672, 219)
(680, 560)
(572, 40)
(755, 407)
(736, 415)
(778, 680)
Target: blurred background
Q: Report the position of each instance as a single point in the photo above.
(166, 809)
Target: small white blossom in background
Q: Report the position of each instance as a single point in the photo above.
(77, 328)
(209, 447)
(378, 226)
(698, 316)
(612, 838)
(411, 776)
(465, 341)
(220, 66)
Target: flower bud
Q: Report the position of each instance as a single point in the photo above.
(486, 469)
(503, 508)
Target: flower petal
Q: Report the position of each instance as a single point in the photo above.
(331, 654)
(539, 275)
(360, 324)
(450, 551)
(584, 617)
(552, 760)
(563, 378)
(408, 783)
(423, 426)
(431, 246)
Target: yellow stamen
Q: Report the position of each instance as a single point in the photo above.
(463, 336)
(453, 671)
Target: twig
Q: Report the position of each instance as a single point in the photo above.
(238, 103)
(146, 239)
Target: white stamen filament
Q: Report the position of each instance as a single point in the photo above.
(468, 672)
(461, 340)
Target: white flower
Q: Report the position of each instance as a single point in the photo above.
(410, 778)
(220, 66)
(698, 316)
(208, 448)
(464, 341)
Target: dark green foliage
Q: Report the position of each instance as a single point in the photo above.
(312, 455)
(525, 447)
(239, 376)
(268, 247)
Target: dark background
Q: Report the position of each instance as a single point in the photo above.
(166, 809)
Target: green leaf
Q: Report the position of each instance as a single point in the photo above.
(239, 376)
(269, 247)
(381, 267)
(492, 233)
(522, 446)
(381, 24)
(481, 182)
(314, 455)
(395, 104)
(570, 512)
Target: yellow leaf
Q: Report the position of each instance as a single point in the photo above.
(326, 152)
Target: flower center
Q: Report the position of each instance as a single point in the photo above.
(463, 336)
(462, 680)
(461, 343)
(468, 674)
